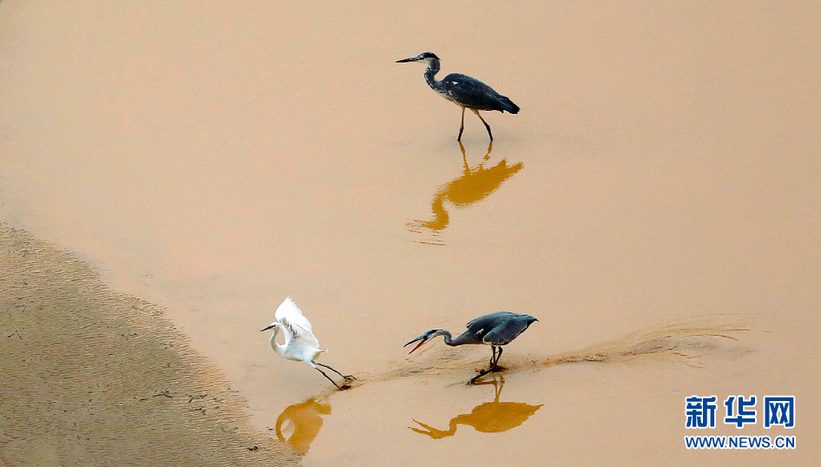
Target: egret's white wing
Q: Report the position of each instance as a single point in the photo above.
(292, 319)
(286, 309)
(293, 331)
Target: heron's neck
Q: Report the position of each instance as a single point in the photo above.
(447, 335)
(430, 71)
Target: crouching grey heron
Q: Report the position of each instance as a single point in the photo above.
(464, 91)
(300, 343)
(494, 329)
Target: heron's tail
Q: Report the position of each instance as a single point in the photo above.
(508, 105)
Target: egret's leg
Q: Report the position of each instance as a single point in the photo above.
(462, 127)
(329, 378)
(483, 121)
(340, 374)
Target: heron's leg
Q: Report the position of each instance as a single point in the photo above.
(340, 374)
(483, 373)
(498, 356)
(462, 126)
(494, 360)
(329, 378)
(483, 121)
(492, 356)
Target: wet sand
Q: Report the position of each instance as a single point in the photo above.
(96, 377)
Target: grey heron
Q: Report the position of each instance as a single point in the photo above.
(494, 329)
(300, 343)
(464, 91)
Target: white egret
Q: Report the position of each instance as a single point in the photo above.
(300, 342)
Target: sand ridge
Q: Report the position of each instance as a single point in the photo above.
(96, 377)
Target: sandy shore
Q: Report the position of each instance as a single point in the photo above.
(96, 377)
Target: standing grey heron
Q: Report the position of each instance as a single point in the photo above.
(300, 343)
(464, 91)
(494, 329)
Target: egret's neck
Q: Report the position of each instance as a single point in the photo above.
(279, 349)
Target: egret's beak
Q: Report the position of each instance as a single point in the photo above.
(268, 327)
(405, 60)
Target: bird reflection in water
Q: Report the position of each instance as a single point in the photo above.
(474, 185)
(490, 417)
(303, 423)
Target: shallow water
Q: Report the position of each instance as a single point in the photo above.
(659, 186)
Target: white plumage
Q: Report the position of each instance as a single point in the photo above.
(300, 342)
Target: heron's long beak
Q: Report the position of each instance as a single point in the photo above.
(422, 339)
(267, 327)
(411, 59)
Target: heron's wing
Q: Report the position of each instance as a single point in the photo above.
(471, 92)
(507, 329)
(478, 328)
(489, 320)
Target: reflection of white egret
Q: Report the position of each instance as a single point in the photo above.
(494, 329)
(300, 343)
(304, 421)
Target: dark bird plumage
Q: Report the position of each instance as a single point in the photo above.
(494, 329)
(464, 91)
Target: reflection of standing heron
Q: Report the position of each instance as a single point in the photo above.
(494, 329)
(474, 185)
(300, 343)
(490, 417)
(464, 91)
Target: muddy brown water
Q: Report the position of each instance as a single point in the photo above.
(655, 204)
